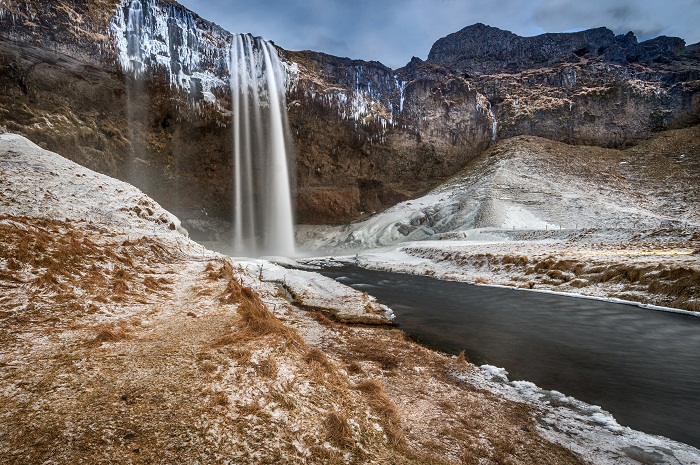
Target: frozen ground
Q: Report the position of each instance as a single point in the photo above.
(652, 274)
(40, 184)
(585, 429)
(319, 293)
(125, 342)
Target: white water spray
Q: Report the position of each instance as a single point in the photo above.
(262, 207)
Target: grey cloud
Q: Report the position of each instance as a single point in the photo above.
(621, 12)
(646, 18)
(334, 46)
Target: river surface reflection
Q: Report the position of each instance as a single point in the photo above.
(641, 365)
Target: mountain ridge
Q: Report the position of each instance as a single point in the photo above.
(480, 49)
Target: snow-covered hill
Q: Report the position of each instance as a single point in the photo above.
(41, 184)
(536, 185)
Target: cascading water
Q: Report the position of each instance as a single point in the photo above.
(133, 33)
(262, 207)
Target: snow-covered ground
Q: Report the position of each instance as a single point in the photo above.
(316, 292)
(585, 429)
(41, 184)
(101, 348)
(651, 275)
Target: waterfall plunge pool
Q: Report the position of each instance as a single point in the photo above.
(642, 366)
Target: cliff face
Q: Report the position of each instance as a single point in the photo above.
(481, 49)
(139, 89)
(589, 87)
(136, 103)
(368, 137)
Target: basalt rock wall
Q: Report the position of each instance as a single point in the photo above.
(64, 87)
(368, 137)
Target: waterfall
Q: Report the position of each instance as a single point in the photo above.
(494, 124)
(262, 206)
(134, 32)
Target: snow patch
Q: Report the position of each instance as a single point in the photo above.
(319, 292)
(585, 429)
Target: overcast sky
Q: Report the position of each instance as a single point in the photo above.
(392, 31)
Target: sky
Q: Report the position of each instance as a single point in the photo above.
(393, 31)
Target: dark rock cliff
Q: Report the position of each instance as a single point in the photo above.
(481, 49)
(151, 104)
(368, 137)
(588, 87)
(63, 88)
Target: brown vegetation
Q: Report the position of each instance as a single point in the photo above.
(131, 379)
(338, 430)
(607, 269)
(67, 270)
(384, 408)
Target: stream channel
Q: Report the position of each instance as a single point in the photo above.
(643, 366)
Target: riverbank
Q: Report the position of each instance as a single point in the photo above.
(652, 273)
(640, 365)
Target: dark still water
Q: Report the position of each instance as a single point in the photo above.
(641, 365)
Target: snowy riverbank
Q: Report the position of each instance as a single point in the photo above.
(122, 339)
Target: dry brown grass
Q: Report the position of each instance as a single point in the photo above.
(375, 351)
(65, 266)
(267, 368)
(519, 260)
(664, 281)
(324, 320)
(338, 431)
(220, 398)
(110, 335)
(317, 357)
(462, 358)
(258, 321)
(156, 285)
(384, 408)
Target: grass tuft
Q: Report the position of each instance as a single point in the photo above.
(385, 409)
(338, 431)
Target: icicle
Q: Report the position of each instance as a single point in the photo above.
(494, 124)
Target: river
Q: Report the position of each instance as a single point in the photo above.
(643, 366)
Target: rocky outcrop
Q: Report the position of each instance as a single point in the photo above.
(589, 87)
(74, 96)
(481, 49)
(368, 137)
(593, 103)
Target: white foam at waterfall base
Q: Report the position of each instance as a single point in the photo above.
(262, 207)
